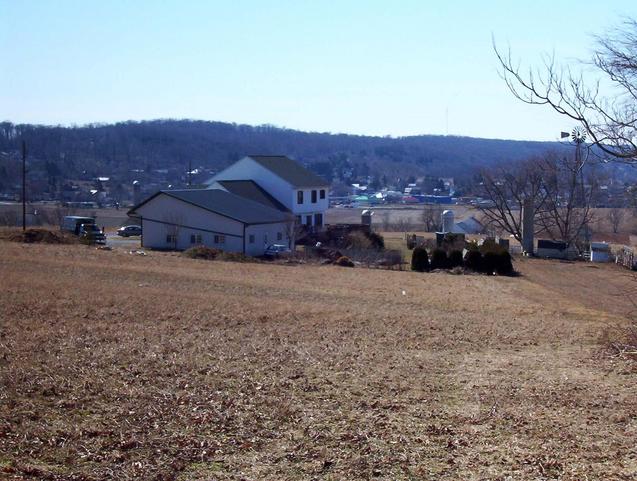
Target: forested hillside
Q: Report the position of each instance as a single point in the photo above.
(116, 150)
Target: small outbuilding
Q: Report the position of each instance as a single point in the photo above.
(554, 249)
(600, 252)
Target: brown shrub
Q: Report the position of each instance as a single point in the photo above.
(344, 261)
(43, 236)
(202, 252)
(235, 257)
(358, 240)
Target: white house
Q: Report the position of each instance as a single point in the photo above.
(300, 191)
(253, 203)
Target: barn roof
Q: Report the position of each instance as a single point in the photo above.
(249, 189)
(289, 170)
(224, 203)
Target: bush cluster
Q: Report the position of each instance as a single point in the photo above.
(455, 259)
(211, 254)
(202, 252)
(420, 260)
(497, 261)
(473, 260)
(492, 261)
(439, 259)
(364, 240)
(377, 240)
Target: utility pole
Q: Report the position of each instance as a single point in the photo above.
(24, 185)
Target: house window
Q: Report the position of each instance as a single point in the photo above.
(308, 220)
(322, 191)
(279, 236)
(318, 220)
(298, 220)
(299, 197)
(195, 238)
(251, 239)
(171, 239)
(313, 197)
(220, 239)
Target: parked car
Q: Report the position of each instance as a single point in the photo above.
(277, 250)
(129, 230)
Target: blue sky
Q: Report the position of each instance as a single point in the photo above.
(364, 67)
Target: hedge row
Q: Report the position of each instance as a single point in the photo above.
(491, 262)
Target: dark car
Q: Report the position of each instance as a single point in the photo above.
(129, 230)
(91, 234)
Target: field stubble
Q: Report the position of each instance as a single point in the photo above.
(159, 367)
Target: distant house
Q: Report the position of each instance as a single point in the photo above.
(250, 205)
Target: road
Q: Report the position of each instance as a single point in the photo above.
(113, 240)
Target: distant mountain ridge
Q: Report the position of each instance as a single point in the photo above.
(117, 149)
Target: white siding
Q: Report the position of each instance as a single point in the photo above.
(248, 169)
(281, 190)
(308, 207)
(265, 235)
(160, 214)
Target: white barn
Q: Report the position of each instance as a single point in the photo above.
(179, 219)
(250, 205)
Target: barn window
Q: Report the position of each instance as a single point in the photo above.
(299, 197)
(195, 239)
(171, 239)
(251, 239)
(220, 239)
(279, 236)
(322, 192)
(313, 197)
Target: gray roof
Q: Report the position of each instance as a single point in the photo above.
(290, 170)
(249, 189)
(226, 204)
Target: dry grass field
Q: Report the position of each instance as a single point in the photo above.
(114, 366)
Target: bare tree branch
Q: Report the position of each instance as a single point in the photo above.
(609, 120)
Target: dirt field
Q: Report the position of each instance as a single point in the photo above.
(114, 366)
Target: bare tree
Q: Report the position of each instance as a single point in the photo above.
(616, 218)
(386, 221)
(610, 120)
(561, 189)
(506, 188)
(173, 222)
(403, 224)
(293, 230)
(431, 217)
(566, 212)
